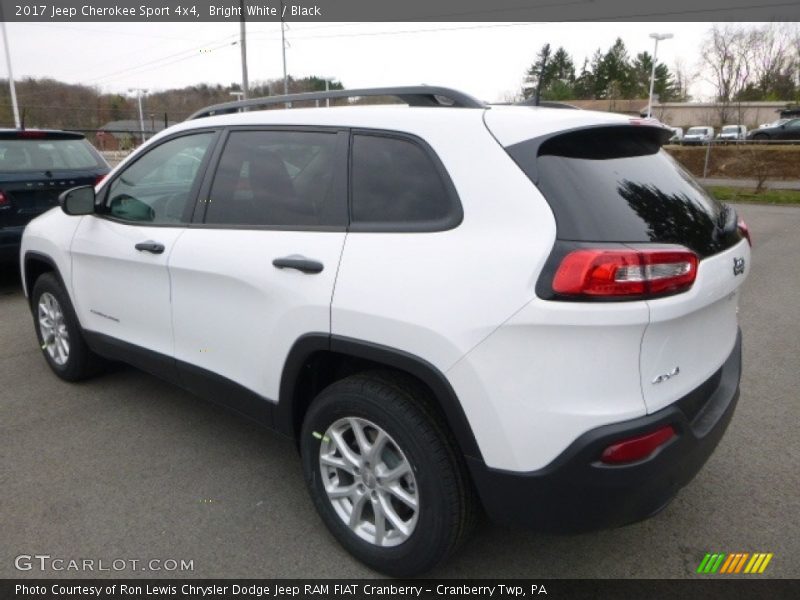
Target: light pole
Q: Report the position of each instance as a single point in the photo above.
(139, 93)
(657, 37)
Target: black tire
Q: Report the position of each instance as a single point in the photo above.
(447, 503)
(80, 362)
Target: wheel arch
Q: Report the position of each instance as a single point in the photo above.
(34, 265)
(316, 360)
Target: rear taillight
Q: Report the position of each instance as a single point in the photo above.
(745, 231)
(4, 201)
(623, 272)
(98, 179)
(637, 448)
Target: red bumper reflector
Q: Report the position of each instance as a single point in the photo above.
(637, 448)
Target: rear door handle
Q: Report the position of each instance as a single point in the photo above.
(301, 263)
(150, 246)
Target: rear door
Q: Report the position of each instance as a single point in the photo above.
(613, 185)
(257, 270)
(790, 130)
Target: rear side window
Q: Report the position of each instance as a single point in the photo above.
(276, 179)
(47, 155)
(398, 185)
(616, 184)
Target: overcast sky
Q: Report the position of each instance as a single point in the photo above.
(485, 59)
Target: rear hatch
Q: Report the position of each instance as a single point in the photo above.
(611, 186)
(36, 166)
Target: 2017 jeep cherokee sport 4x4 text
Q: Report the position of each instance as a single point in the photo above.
(449, 306)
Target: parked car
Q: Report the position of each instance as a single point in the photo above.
(698, 135)
(788, 130)
(732, 133)
(677, 135)
(773, 124)
(35, 167)
(447, 307)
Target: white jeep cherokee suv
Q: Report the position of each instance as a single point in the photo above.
(448, 305)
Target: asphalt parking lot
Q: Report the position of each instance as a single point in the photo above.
(128, 467)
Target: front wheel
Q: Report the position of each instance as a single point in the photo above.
(59, 333)
(385, 475)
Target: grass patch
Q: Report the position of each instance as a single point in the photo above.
(736, 194)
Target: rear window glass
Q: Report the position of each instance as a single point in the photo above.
(46, 155)
(616, 184)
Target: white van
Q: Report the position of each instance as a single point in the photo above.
(698, 135)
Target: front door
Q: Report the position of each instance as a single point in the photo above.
(120, 281)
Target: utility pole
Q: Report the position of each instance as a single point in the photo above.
(13, 89)
(139, 93)
(657, 37)
(283, 49)
(243, 44)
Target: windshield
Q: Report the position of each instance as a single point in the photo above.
(730, 129)
(696, 131)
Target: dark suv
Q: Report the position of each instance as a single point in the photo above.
(35, 167)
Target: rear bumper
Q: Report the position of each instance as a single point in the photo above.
(578, 493)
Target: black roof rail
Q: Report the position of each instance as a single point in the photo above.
(421, 95)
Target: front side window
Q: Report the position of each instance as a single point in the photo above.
(395, 185)
(279, 179)
(158, 186)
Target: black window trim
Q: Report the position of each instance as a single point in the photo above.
(451, 221)
(339, 179)
(191, 201)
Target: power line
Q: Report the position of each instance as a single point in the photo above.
(163, 58)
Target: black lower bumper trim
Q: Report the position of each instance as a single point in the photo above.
(577, 493)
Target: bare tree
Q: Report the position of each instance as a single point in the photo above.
(772, 54)
(727, 63)
(684, 78)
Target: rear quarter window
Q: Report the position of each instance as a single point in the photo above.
(398, 184)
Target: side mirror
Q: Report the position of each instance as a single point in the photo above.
(78, 201)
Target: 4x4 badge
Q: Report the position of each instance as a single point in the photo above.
(738, 266)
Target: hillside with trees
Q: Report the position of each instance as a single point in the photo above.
(48, 103)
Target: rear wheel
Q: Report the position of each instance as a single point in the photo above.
(384, 474)
(58, 331)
